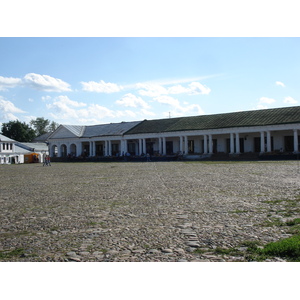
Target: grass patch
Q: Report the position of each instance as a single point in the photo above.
(199, 251)
(251, 245)
(227, 251)
(288, 248)
(273, 201)
(11, 254)
(273, 222)
(293, 222)
(92, 223)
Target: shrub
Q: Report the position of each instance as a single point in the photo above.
(287, 248)
(293, 222)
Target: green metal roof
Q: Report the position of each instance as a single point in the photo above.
(276, 116)
(153, 126)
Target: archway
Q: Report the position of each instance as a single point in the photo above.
(54, 151)
(63, 150)
(73, 150)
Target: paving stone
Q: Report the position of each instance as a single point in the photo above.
(166, 250)
(118, 211)
(193, 244)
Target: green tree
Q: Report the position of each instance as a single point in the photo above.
(19, 131)
(53, 126)
(42, 125)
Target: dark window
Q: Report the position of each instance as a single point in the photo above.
(289, 143)
(131, 148)
(169, 147)
(114, 149)
(191, 146)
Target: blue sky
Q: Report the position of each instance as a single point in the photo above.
(110, 79)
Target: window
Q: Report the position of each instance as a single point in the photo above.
(191, 146)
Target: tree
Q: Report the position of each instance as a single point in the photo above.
(43, 126)
(53, 126)
(40, 125)
(19, 131)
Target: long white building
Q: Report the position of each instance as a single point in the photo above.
(256, 131)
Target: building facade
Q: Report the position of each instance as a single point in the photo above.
(257, 131)
(12, 151)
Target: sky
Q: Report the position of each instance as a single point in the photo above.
(96, 80)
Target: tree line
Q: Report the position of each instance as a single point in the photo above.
(23, 132)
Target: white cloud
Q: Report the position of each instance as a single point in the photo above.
(64, 108)
(151, 90)
(9, 82)
(260, 106)
(197, 88)
(266, 100)
(8, 109)
(96, 111)
(7, 106)
(130, 100)
(167, 100)
(280, 83)
(45, 98)
(36, 81)
(68, 102)
(290, 100)
(101, 87)
(264, 103)
(145, 112)
(45, 83)
(73, 112)
(176, 109)
(154, 90)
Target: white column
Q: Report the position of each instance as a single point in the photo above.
(164, 146)
(205, 144)
(90, 152)
(93, 148)
(159, 145)
(105, 148)
(186, 148)
(125, 146)
(140, 147)
(78, 149)
(296, 142)
(237, 143)
(231, 143)
(109, 148)
(269, 141)
(58, 150)
(144, 147)
(210, 144)
(262, 142)
(181, 144)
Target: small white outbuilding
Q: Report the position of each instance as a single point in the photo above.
(12, 151)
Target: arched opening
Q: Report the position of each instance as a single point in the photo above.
(73, 150)
(54, 151)
(63, 149)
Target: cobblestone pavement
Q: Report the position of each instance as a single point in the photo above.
(138, 212)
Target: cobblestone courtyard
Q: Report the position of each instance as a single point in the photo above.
(155, 211)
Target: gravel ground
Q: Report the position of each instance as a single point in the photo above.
(139, 212)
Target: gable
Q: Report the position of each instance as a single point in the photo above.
(67, 131)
